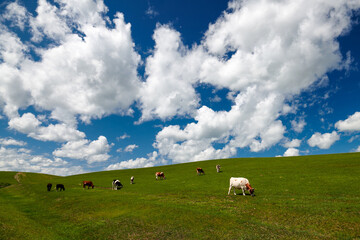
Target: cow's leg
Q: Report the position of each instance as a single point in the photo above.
(243, 191)
(229, 190)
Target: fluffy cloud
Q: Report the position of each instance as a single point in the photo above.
(27, 124)
(349, 125)
(323, 141)
(30, 125)
(17, 15)
(11, 142)
(130, 148)
(265, 52)
(245, 125)
(292, 144)
(290, 152)
(12, 159)
(122, 137)
(84, 67)
(91, 151)
(298, 126)
(171, 73)
(76, 75)
(287, 46)
(152, 160)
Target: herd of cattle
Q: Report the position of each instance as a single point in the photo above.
(235, 183)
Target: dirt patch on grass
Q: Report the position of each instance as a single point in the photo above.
(18, 177)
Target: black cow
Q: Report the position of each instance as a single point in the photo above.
(60, 187)
(49, 185)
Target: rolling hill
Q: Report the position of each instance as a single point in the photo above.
(307, 197)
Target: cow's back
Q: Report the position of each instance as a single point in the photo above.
(238, 182)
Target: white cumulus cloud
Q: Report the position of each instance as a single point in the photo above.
(323, 141)
(11, 142)
(30, 125)
(351, 124)
(88, 71)
(171, 74)
(153, 159)
(298, 126)
(264, 52)
(130, 148)
(91, 151)
(22, 160)
(290, 152)
(292, 144)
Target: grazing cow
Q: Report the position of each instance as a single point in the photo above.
(116, 185)
(132, 180)
(218, 168)
(60, 187)
(241, 183)
(49, 185)
(160, 175)
(199, 171)
(88, 184)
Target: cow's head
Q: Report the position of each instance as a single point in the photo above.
(252, 191)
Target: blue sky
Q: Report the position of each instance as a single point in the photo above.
(100, 85)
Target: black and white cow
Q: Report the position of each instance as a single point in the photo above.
(116, 185)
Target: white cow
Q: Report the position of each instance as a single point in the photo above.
(132, 180)
(241, 183)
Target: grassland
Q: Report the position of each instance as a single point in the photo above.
(308, 197)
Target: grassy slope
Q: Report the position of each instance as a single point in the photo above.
(308, 197)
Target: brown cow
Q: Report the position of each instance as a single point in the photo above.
(199, 171)
(88, 184)
(159, 175)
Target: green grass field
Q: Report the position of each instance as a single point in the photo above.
(307, 197)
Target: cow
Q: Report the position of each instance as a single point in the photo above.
(159, 175)
(218, 168)
(49, 185)
(60, 187)
(199, 171)
(132, 180)
(116, 184)
(241, 183)
(88, 184)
